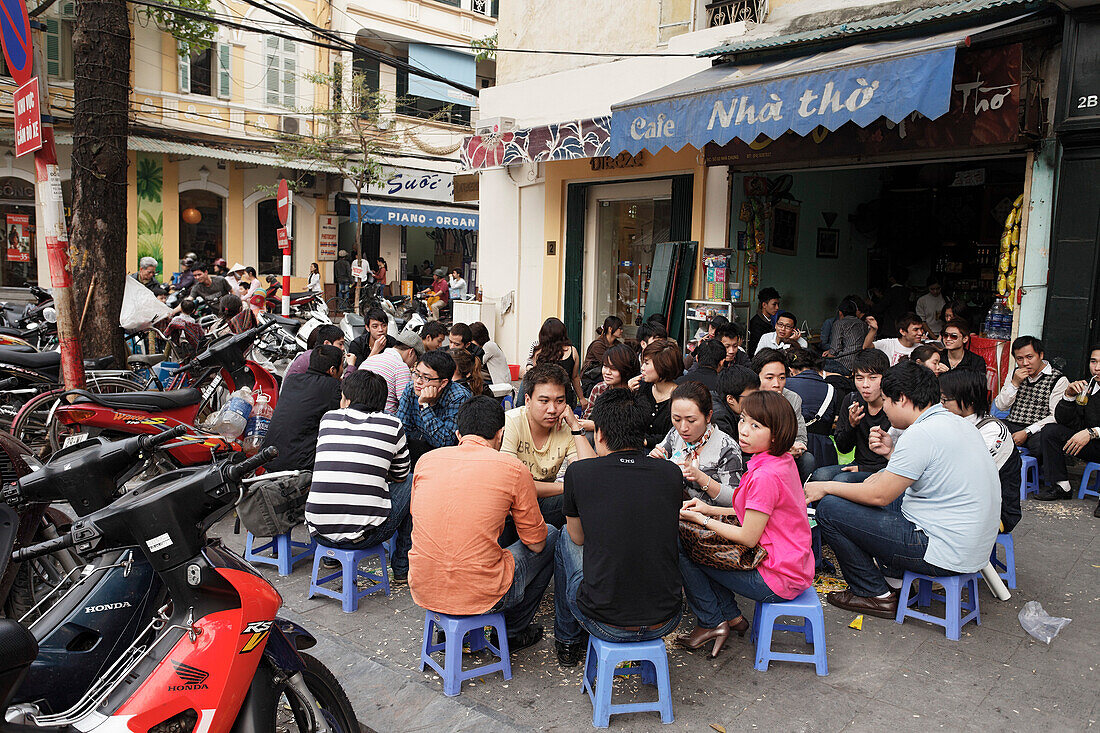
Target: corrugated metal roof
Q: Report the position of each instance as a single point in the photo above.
(153, 145)
(909, 18)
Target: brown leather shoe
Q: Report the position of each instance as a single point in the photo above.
(702, 635)
(881, 607)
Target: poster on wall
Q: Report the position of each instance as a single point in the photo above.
(17, 228)
(327, 239)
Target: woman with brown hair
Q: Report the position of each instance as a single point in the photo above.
(770, 505)
(606, 336)
(554, 347)
(620, 365)
(662, 365)
(468, 372)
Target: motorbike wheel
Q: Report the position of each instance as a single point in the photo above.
(326, 689)
(36, 578)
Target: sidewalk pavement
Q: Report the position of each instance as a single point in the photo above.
(885, 676)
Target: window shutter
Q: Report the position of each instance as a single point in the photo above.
(290, 82)
(185, 73)
(272, 81)
(67, 9)
(53, 47)
(224, 62)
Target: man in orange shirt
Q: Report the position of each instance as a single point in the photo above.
(461, 496)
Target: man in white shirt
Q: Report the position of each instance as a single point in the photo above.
(910, 330)
(930, 306)
(361, 272)
(1030, 394)
(785, 335)
(395, 365)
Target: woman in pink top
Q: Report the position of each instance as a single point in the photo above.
(771, 507)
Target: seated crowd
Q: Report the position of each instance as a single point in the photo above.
(609, 465)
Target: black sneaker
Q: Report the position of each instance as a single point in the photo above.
(330, 563)
(399, 579)
(1054, 493)
(528, 637)
(570, 655)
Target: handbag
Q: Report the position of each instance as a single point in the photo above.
(706, 547)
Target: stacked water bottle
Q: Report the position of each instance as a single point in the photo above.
(998, 324)
(244, 415)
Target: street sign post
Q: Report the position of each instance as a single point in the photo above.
(284, 205)
(28, 118)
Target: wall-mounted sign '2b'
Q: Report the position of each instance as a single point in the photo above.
(15, 31)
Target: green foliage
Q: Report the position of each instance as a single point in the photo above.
(193, 34)
(150, 178)
(146, 224)
(487, 48)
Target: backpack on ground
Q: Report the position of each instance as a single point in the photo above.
(275, 507)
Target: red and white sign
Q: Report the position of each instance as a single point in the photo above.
(328, 238)
(17, 232)
(282, 201)
(283, 239)
(28, 118)
(357, 271)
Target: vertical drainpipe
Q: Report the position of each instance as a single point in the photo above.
(1031, 310)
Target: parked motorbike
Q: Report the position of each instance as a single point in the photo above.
(214, 657)
(196, 391)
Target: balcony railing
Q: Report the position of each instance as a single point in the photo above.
(726, 12)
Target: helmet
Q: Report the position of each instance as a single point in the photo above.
(220, 262)
(440, 272)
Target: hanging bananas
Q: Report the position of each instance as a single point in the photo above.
(1009, 253)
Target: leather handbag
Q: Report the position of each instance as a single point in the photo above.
(706, 547)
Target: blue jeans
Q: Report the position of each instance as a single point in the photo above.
(834, 473)
(570, 622)
(342, 291)
(529, 583)
(860, 535)
(399, 521)
(710, 592)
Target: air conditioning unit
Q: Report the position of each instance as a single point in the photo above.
(289, 125)
(495, 125)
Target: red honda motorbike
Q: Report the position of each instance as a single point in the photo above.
(215, 658)
(191, 396)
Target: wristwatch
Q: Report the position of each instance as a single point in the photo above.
(706, 521)
(579, 431)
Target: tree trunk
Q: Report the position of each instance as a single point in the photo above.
(101, 90)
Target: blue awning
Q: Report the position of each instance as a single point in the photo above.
(398, 214)
(860, 84)
(456, 66)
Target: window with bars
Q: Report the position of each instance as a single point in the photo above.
(281, 72)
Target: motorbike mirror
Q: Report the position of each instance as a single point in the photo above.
(50, 315)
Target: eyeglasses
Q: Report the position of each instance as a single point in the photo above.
(952, 336)
(421, 377)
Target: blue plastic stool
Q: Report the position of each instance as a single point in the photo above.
(1024, 450)
(349, 572)
(282, 548)
(952, 600)
(1084, 491)
(806, 606)
(455, 629)
(1029, 476)
(1009, 565)
(601, 666)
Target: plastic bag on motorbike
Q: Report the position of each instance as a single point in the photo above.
(140, 308)
(275, 507)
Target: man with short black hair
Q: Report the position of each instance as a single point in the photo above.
(462, 337)
(433, 334)
(734, 383)
(211, 288)
(709, 355)
(545, 433)
(955, 354)
(373, 340)
(461, 497)
(848, 332)
(303, 400)
(327, 334)
(616, 572)
(429, 404)
(764, 321)
(785, 335)
(771, 366)
(359, 496)
(910, 330)
(732, 336)
(395, 366)
(1031, 394)
(930, 305)
(934, 509)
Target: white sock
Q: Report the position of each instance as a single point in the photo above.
(1064, 485)
(884, 596)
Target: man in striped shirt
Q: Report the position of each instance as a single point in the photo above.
(395, 366)
(361, 480)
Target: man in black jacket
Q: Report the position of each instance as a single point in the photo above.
(303, 400)
(734, 382)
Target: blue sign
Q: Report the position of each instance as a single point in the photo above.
(15, 31)
(725, 102)
(408, 217)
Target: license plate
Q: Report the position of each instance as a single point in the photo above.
(74, 439)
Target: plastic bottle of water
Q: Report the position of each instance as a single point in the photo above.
(258, 422)
(232, 419)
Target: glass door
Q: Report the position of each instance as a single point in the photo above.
(626, 222)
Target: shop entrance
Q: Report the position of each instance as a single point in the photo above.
(625, 222)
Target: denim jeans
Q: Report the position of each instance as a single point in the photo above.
(834, 473)
(860, 535)
(570, 622)
(399, 521)
(710, 592)
(530, 580)
(342, 291)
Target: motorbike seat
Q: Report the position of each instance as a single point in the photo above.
(292, 323)
(18, 648)
(301, 295)
(36, 360)
(5, 348)
(151, 401)
(146, 359)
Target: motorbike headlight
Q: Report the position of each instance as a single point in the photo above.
(50, 315)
